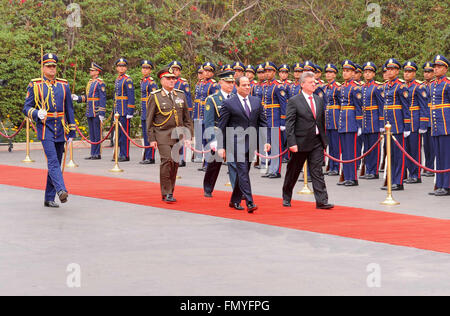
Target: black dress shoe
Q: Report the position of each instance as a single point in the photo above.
(442, 192)
(371, 176)
(236, 206)
(181, 164)
(266, 175)
(274, 176)
(51, 204)
(333, 173)
(324, 206)
(145, 162)
(88, 158)
(122, 159)
(286, 203)
(341, 183)
(202, 169)
(351, 183)
(207, 194)
(413, 180)
(169, 198)
(63, 195)
(251, 207)
(98, 157)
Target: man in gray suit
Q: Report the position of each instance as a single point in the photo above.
(305, 130)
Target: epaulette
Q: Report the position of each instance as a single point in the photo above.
(288, 81)
(279, 81)
(212, 80)
(183, 79)
(62, 80)
(156, 91)
(36, 79)
(419, 82)
(178, 90)
(338, 84)
(255, 82)
(379, 83)
(401, 80)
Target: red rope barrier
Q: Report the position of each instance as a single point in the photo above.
(199, 151)
(132, 141)
(15, 134)
(33, 127)
(94, 143)
(356, 159)
(414, 161)
(271, 157)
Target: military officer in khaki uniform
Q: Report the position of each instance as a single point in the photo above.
(167, 114)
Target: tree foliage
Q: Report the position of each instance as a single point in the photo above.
(221, 31)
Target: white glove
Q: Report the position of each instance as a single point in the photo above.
(102, 118)
(359, 131)
(129, 117)
(381, 130)
(422, 131)
(282, 128)
(75, 97)
(42, 114)
(406, 134)
(69, 140)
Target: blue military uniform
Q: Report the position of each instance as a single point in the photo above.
(295, 87)
(148, 85)
(332, 104)
(418, 108)
(124, 105)
(258, 87)
(372, 108)
(183, 85)
(396, 112)
(205, 89)
(428, 146)
(95, 99)
(350, 123)
(440, 126)
(52, 99)
(274, 102)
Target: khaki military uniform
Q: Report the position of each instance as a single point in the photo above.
(164, 116)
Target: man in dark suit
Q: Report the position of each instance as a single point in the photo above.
(305, 129)
(241, 116)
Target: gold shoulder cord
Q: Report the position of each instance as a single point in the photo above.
(169, 114)
(215, 106)
(37, 99)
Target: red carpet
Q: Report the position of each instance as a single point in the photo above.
(384, 227)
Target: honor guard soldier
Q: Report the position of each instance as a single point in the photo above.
(238, 69)
(250, 73)
(418, 108)
(95, 99)
(207, 88)
(295, 86)
(428, 146)
(274, 101)
(48, 102)
(332, 109)
(440, 123)
(283, 73)
(198, 88)
(167, 111)
(358, 74)
(257, 90)
(124, 104)
(148, 85)
(183, 85)
(396, 113)
(212, 114)
(318, 75)
(350, 122)
(372, 107)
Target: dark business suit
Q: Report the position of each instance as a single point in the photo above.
(301, 131)
(232, 114)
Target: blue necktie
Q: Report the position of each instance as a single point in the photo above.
(247, 108)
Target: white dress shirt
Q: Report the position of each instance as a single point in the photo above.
(241, 98)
